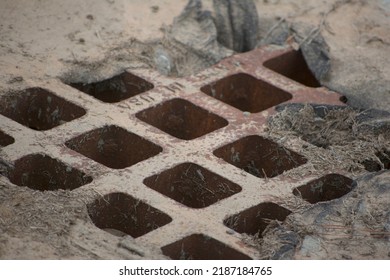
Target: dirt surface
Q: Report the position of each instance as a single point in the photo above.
(87, 41)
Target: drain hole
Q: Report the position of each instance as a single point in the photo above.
(293, 65)
(121, 214)
(114, 147)
(344, 99)
(326, 188)
(115, 89)
(182, 119)
(43, 173)
(254, 220)
(5, 139)
(374, 166)
(192, 185)
(39, 109)
(201, 247)
(246, 93)
(259, 156)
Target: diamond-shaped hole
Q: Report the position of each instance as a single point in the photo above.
(5, 139)
(192, 185)
(201, 247)
(39, 109)
(246, 93)
(259, 156)
(41, 172)
(115, 89)
(326, 188)
(383, 162)
(293, 66)
(114, 147)
(121, 214)
(255, 220)
(182, 119)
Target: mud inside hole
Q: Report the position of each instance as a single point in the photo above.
(192, 185)
(182, 119)
(39, 109)
(41, 172)
(119, 212)
(115, 89)
(259, 156)
(246, 93)
(114, 147)
(326, 188)
(293, 65)
(201, 247)
(5, 139)
(255, 220)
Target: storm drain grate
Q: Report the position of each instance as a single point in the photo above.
(187, 193)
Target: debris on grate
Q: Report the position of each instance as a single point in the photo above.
(201, 247)
(182, 119)
(246, 93)
(326, 188)
(254, 221)
(192, 185)
(121, 214)
(41, 172)
(115, 89)
(39, 109)
(293, 66)
(259, 156)
(5, 139)
(113, 147)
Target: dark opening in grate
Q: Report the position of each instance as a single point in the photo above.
(41, 172)
(192, 185)
(259, 156)
(115, 89)
(201, 247)
(39, 109)
(255, 220)
(121, 214)
(293, 66)
(326, 188)
(182, 119)
(5, 139)
(114, 147)
(246, 93)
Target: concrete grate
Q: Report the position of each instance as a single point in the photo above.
(180, 163)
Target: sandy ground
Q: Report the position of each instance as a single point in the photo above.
(91, 40)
